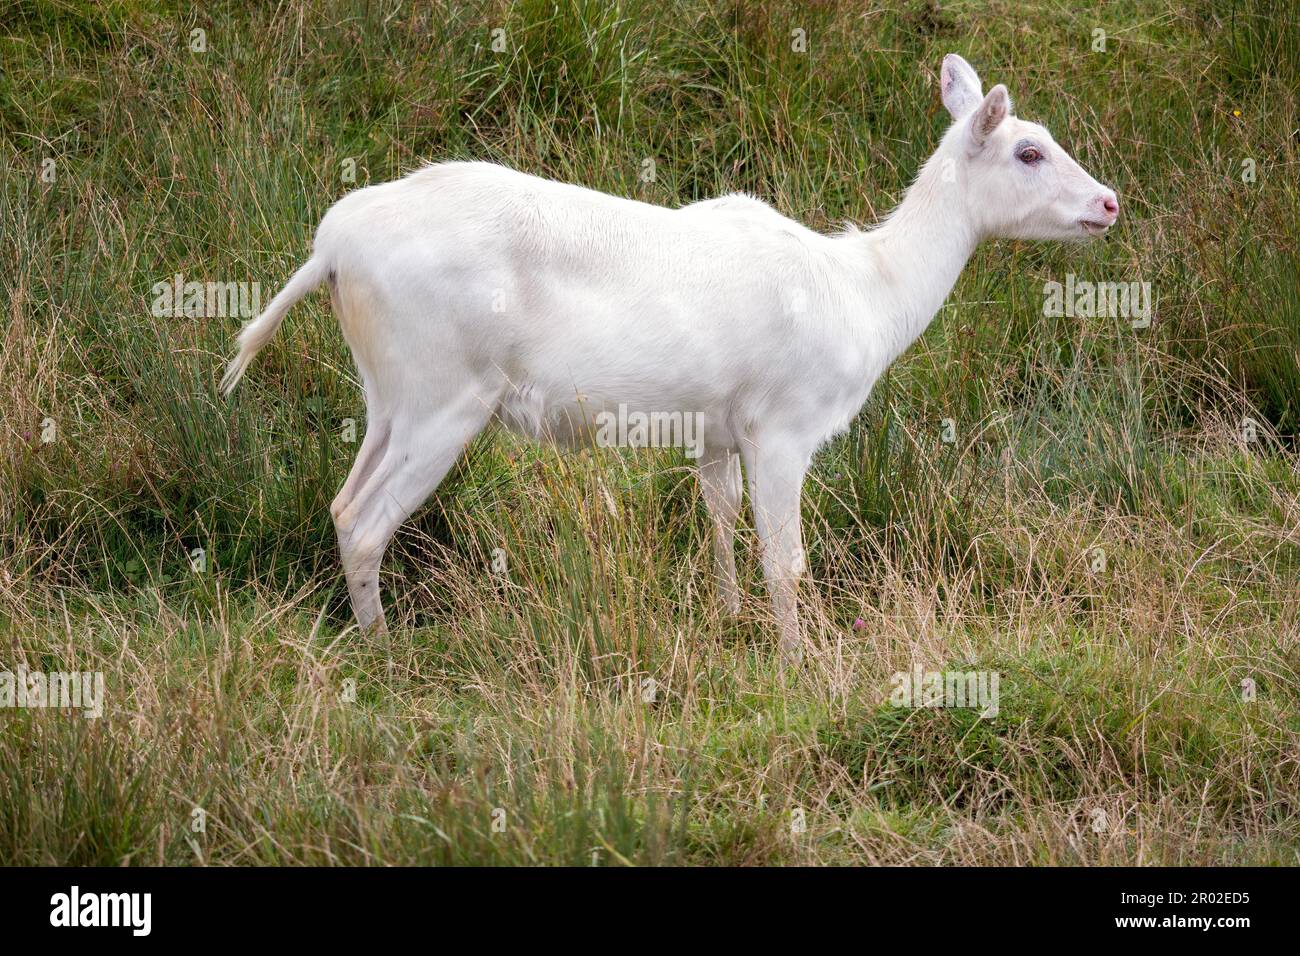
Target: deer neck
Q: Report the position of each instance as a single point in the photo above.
(917, 253)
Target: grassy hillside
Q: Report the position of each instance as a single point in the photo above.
(1114, 526)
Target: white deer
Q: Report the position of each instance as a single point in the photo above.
(470, 293)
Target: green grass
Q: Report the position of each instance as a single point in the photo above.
(516, 700)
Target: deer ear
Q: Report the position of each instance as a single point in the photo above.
(960, 86)
(990, 113)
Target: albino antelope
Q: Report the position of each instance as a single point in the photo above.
(470, 293)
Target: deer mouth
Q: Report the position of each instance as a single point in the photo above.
(1094, 228)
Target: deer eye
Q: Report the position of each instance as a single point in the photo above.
(1029, 155)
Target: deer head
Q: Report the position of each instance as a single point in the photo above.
(1018, 183)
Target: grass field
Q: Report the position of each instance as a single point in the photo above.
(1106, 516)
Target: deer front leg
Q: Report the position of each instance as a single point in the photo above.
(720, 483)
(776, 474)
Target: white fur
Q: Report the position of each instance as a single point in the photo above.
(469, 292)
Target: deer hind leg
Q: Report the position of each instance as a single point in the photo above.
(373, 446)
(720, 482)
(412, 463)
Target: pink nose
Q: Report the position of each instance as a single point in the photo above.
(1111, 205)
